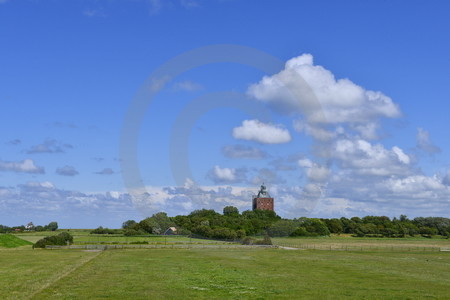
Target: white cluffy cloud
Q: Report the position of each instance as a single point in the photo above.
(225, 174)
(25, 166)
(342, 100)
(365, 158)
(254, 130)
(314, 171)
(313, 91)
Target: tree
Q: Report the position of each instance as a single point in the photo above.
(52, 226)
(311, 227)
(129, 224)
(403, 218)
(335, 226)
(281, 228)
(230, 211)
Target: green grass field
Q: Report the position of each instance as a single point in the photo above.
(11, 241)
(364, 243)
(399, 271)
(82, 237)
(223, 274)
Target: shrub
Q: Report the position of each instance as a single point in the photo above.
(101, 230)
(61, 239)
(248, 241)
(131, 232)
(265, 241)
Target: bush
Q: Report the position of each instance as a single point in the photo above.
(61, 239)
(300, 231)
(101, 230)
(139, 243)
(131, 232)
(311, 227)
(265, 241)
(248, 241)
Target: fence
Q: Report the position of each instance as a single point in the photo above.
(356, 247)
(156, 246)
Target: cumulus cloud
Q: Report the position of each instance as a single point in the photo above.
(227, 175)
(242, 151)
(341, 100)
(254, 130)
(414, 194)
(35, 186)
(316, 131)
(224, 174)
(67, 171)
(332, 207)
(49, 146)
(446, 179)
(105, 171)
(365, 158)
(315, 172)
(43, 201)
(24, 166)
(424, 142)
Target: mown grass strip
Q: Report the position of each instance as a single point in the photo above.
(11, 241)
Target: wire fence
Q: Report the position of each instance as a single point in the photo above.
(157, 246)
(356, 247)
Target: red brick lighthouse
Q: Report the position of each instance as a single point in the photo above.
(263, 199)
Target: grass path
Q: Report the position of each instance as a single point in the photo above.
(23, 271)
(73, 268)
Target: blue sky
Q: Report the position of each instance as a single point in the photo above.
(340, 107)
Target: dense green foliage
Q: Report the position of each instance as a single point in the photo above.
(61, 239)
(229, 226)
(402, 227)
(232, 225)
(11, 241)
(156, 224)
(101, 230)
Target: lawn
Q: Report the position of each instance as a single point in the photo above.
(223, 273)
(365, 243)
(25, 271)
(11, 241)
(82, 237)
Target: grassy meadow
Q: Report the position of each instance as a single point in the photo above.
(347, 242)
(223, 273)
(82, 237)
(220, 273)
(12, 241)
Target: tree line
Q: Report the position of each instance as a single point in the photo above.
(52, 226)
(232, 225)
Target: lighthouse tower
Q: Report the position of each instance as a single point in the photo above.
(263, 199)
